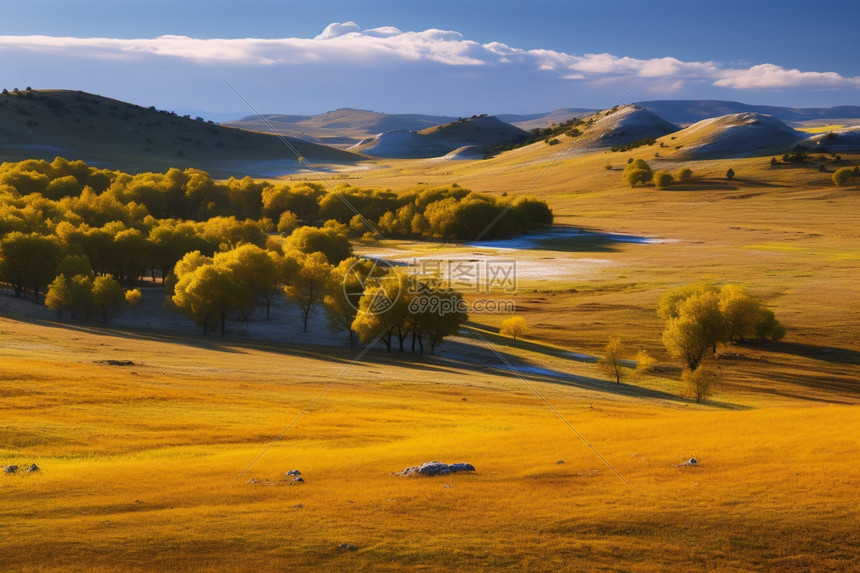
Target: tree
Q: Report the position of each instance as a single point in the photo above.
(662, 179)
(434, 312)
(610, 364)
(309, 285)
(81, 295)
(637, 171)
(768, 327)
(258, 270)
(684, 174)
(741, 312)
(699, 384)
(730, 173)
(515, 327)
(334, 245)
(645, 363)
(345, 291)
(108, 297)
(206, 292)
(699, 327)
(28, 261)
(59, 295)
(132, 298)
(843, 176)
(635, 176)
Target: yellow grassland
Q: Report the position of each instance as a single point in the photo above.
(137, 461)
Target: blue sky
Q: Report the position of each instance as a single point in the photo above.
(454, 58)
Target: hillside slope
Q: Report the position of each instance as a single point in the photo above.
(342, 127)
(478, 133)
(106, 132)
(687, 112)
(734, 135)
(621, 126)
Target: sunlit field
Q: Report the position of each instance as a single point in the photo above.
(169, 452)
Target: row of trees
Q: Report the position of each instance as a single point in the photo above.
(638, 171)
(236, 282)
(77, 193)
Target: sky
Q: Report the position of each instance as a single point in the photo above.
(228, 59)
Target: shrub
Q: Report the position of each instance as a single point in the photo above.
(662, 179)
(843, 176)
(684, 174)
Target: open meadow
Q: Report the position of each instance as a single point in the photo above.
(168, 451)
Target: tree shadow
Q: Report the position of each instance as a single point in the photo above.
(815, 352)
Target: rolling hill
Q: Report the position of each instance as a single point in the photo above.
(478, 133)
(618, 127)
(339, 128)
(687, 112)
(734, 135)
(119, 135)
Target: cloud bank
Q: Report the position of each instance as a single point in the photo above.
(434, 71)
(341, 43)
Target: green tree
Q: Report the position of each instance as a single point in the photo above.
(611, 363)
(699, 384)
(258, 270)
(635, 176)
(132, 298)
(645, 363)
(515, 327)
(684, 174)
(81, 295)
(768, 327)
(741, 312)
(662, 179)
(108, 297)
(730, 174)
(28, 261)
(334, 245)
(345, 291)
(59, 295)
(698, 328)
(309, 285)
(843, 176)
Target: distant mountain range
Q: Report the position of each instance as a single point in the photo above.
(121, 135)
(686, 112)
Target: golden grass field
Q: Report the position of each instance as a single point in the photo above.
(138, 461)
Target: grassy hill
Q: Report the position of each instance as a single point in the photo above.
(736, 135)
(687, 112)
(341, 127)
(479, 133)
(120, 135)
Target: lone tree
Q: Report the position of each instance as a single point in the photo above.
(730, 173)
(843, 176)
(610, 364)
(514, 327)
(699, 384)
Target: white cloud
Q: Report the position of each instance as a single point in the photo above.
(336, 29)
(346, 45)
(773, 77)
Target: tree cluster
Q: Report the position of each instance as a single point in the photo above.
(638, 171)
(77, 233)
(699, 317)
